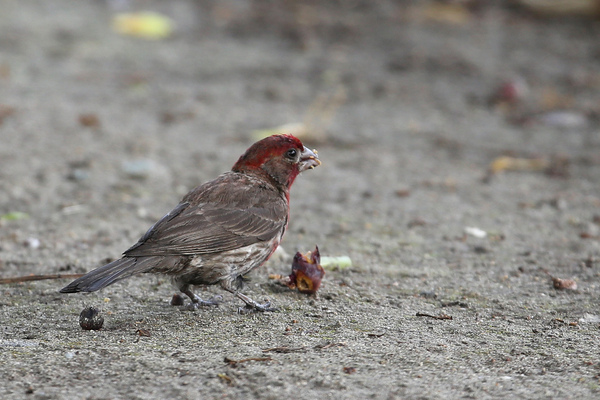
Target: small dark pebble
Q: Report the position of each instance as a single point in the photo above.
(481, 249)
(90, 319)
(402, 192)
(454, 304)
(416, 222)
(177, 300)
(89, 120)
(589, 262)
(428, 295)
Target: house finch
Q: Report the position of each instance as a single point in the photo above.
(222, 229)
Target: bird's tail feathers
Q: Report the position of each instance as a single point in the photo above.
(110, 273)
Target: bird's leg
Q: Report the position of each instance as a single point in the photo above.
(197, 300)
(251, 305)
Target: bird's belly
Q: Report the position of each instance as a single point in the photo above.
(214, 268)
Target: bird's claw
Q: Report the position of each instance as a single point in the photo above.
(248, 309)
(198, 302)
(253, 306)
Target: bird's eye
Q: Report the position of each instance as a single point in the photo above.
(291, 154)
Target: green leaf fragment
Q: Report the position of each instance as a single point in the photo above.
(12, 216)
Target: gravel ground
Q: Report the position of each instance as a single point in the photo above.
(450, 293)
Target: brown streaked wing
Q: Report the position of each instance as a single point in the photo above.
(212, 227)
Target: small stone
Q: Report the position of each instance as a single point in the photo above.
(78, 175)
(32, 243)
(564, 284)
(428, 294)
(402, 192)
(177, 300)
(481, 249)
(564, 119)
(349, 370)
(475, 232)
(142, 168)
(89, 120)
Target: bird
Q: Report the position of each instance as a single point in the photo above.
(221, 230)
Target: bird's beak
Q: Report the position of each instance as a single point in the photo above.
(308, 159)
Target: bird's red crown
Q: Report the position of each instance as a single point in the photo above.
(267, 148)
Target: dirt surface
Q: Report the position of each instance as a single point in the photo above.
(103, 133)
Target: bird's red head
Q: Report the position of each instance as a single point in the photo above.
(279, 157)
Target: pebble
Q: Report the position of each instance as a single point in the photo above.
(32, 243)
(141, 168)
(564, 119)
(476, 232)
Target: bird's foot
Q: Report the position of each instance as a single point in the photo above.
(198, 302)
(253, 306)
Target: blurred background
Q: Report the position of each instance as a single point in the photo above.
(425, 113)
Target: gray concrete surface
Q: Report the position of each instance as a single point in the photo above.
(400, 92)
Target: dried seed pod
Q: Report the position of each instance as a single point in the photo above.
(90, 319)
(307, 272)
